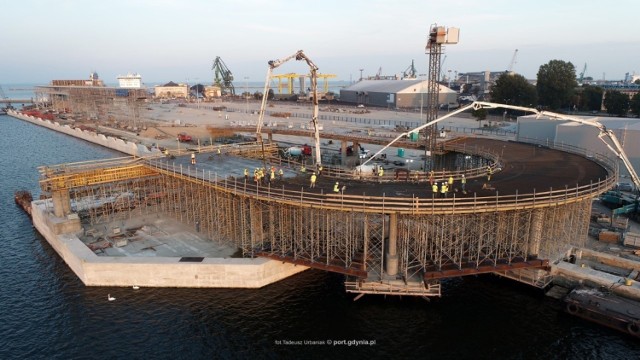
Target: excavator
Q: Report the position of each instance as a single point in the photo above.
(273, 64)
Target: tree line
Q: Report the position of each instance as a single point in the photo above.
(556, 89)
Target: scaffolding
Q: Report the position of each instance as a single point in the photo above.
(96, 105)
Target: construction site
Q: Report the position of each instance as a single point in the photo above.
(250, 207)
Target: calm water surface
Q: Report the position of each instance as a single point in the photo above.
(46, 312)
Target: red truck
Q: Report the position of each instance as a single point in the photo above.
(183, 137)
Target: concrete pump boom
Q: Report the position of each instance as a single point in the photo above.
(615, 145)
(299, 55)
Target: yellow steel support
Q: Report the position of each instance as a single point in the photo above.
(94, 177)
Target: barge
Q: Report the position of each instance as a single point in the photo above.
(605, 308)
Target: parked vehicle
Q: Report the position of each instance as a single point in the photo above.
(183, 137)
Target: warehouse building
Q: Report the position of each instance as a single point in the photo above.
(405, 94)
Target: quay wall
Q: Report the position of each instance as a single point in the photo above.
(94, 270)
(126, 147)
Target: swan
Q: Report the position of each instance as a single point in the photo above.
(136, 287)
(110, 298)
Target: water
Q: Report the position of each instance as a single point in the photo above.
(47, 313)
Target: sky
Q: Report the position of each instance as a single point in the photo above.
(177, 40)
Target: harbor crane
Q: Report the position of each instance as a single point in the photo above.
(513, 62)
(313, 69)
(410, 72)
(223, 77)
(612, 144)
(581, 78)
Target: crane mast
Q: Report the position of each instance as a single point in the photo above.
(299, 55)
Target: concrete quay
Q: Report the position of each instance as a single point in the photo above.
(63, 234)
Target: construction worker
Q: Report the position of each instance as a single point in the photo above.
(319, 170)
(336, 188)
(303, 169)
(432, 177)
(434, 188)
(219, 151)
(193, 159)
(450, 181)
(444, 189)
(246, 174)
(280, 174)
(273, 174)
(489, 172)
(463, 181)
(380, 171)
(313, 181)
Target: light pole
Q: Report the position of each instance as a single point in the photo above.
(197, 93)
(246, 94)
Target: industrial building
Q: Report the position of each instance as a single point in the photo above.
(407, 94)
(171, 90)
(545, 130)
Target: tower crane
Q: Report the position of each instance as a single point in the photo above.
(513, 61)
(223, 77)
(299, 55)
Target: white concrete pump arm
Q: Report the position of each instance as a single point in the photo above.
(299, 55)
(616, 148)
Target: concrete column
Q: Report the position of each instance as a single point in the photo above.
(343, 152)
(535, 233)
(61, 203)
(391, 265)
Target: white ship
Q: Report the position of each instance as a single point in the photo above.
(130, 81)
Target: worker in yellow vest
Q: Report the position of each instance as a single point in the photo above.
(313, 181)
(246, 174)
(434, 188)
(444, 189)
(193, 159)
(336, 188)
(463, 181)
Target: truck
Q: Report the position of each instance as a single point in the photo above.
(184, 137)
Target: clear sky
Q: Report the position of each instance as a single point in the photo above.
(177, 40)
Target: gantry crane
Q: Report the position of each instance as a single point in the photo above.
(223, 77)
(299, 55)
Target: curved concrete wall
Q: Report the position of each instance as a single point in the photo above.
(126, 147)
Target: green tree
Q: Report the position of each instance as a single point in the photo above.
(635, 104)
(514, 89)
(591, 98)
(556, 84)
(479, 114)
(616, 103)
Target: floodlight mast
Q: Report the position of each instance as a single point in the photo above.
(615, 145)
(299, 55)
